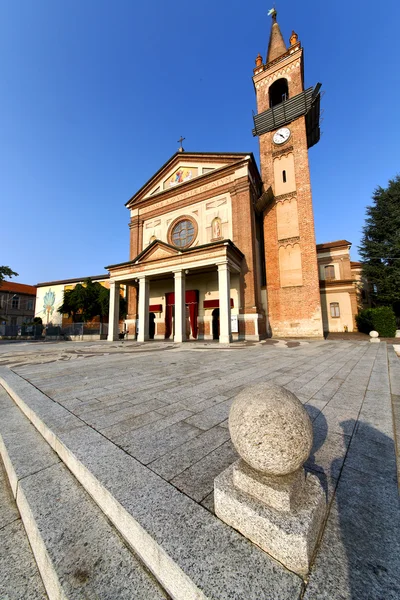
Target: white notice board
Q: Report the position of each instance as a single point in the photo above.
(234, 324)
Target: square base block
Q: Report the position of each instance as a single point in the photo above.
(289, 537)
(280, 492)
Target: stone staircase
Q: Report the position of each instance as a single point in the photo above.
(103, 526)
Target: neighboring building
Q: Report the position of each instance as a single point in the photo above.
(342, 288)
(217, 247)
(17, 303)
(50, 296)
(363, 288)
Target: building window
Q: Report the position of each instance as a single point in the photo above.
(329, 272)
(182, 232)
(335, 310)
(284, 176)
(15, 302)
(29, 305)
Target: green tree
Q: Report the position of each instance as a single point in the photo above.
(88, 300)
(104, 300)
(6, 272)
(380, 246)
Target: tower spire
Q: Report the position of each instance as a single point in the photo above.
(276, 46)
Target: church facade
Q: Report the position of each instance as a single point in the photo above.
(219, 249)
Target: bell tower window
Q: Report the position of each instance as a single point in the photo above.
(278, 92)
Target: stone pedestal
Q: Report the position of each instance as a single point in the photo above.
(374, 337)
(271, 501)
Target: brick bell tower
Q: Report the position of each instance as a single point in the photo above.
(287, 125)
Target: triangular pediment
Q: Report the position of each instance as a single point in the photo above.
(181, 169)
(157, 250)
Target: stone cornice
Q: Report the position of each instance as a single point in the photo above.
(289, 241)
(278, 68)
(282, 151)
(195, 185)
(288, 196)
(323, 283)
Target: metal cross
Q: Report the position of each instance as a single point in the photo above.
(180, 142)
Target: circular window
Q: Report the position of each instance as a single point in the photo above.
(182, 232)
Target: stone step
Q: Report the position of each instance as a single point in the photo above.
(19, 575)
(191, 552)
(78, 553)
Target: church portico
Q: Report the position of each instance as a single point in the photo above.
(179, 292)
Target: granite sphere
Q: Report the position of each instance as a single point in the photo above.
(270, 429)
(373, 334)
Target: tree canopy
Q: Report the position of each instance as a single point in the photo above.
(380, 246)
(6, 272)
(88, 300)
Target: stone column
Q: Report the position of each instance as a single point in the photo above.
(113, 317)
(224, 288)
(180, 307)
(143, 309)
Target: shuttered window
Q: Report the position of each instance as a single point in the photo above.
(329, 272)
(335, 310)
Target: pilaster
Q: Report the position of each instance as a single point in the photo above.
(144, 286)
(113, 318)
(180, 306)
(224, 288)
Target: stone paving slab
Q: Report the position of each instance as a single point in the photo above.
(347, 388)
(189, 550)
(19, 576)
(78, 553)
(171, 464)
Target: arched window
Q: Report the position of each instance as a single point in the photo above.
(278, 92)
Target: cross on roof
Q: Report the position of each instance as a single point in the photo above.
(180, 142)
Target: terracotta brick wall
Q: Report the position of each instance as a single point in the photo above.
(243, 227)
(295, 310)
(132, 297)
(292, 310)
(136, 228)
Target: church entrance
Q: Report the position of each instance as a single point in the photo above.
(215, 324)
(152, 325)
(192, 306)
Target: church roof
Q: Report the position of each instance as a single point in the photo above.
(276, 46)
(74, 280)
(218, 160)
(338, 243)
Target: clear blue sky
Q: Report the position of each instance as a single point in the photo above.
(95, 95)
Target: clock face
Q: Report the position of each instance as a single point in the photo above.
(281, 136)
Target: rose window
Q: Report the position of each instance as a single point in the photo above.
(183, 233)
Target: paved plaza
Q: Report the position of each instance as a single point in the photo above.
(166, 406)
